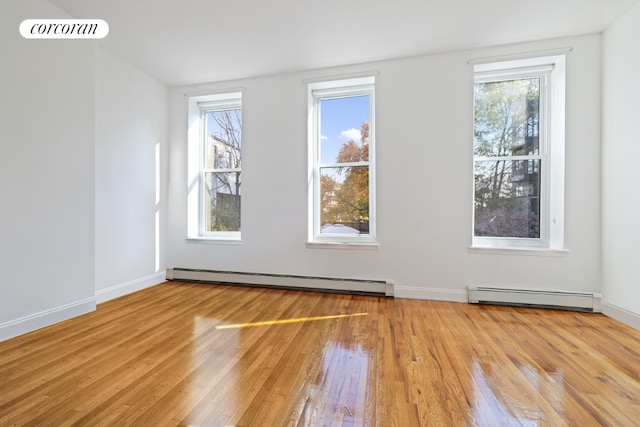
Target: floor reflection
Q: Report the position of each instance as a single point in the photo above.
(338, 392)
(497, 397)
(214, 364)
(236, 371)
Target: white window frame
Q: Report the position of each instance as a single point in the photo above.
(317, 92)
(199, 106)
(551, 70)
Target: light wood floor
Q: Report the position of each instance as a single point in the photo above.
(196, 354)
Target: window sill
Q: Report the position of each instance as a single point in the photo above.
(341, 245)
(522, 250)
(214, 241)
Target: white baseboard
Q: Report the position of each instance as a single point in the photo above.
(45, 318)
(621, 315)
(414, 292)
(128, 287)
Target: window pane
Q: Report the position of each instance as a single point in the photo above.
(344, 129)
(507, 199)
(222, 201)
(224, 139)
(507, 115)
(344, 200)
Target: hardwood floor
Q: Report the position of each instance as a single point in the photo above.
(197, 354)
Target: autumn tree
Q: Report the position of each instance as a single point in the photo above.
(345, 198)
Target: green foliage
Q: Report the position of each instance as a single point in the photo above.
(500, 115)
(506, 118)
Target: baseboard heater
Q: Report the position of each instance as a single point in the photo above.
(577, 301)
(286, 281)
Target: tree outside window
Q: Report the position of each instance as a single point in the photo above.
(344, 190)
(507, 158)
(222, 170)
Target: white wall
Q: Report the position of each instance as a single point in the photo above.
(424, 182)
(46, 174)
(78, 177)
(130, 177)
(620, 154)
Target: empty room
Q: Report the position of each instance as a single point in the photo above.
(298, 213)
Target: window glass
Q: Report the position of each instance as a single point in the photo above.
(506, 138)
(506, 118)
(344, 191)
(223, 146)
(342, 137)
(507, 200)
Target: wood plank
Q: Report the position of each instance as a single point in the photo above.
(198, 354)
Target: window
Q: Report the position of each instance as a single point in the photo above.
(341, 161)
(518, 150)
(215, 148)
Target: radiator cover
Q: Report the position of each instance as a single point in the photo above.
(567, 300)
(287, 281)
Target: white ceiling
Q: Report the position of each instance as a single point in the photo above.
(197, 41)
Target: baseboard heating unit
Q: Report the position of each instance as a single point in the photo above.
(286, 281)
(578, 301)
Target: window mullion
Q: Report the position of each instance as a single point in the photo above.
(342, 165)
(213, 170)
(508, 158)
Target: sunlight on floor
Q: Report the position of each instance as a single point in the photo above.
(285, 321)
(213, 357)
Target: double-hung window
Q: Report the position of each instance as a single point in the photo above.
(518, 150)
(341, 161)
(215, 151)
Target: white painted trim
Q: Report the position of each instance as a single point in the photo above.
(128, 287)
(518, 56)
(342, 245)
(350, 76)
(208, 92)
(621, 315)
(30, 323)
(213, 241)
(436, 294)
(514, 250)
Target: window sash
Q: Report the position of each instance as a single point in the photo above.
(340, 165)
(221, 102)
(220, 105)
(336, 90)
(542, 72)
(518, 73)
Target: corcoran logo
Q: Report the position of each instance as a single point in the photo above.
(64, 29)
